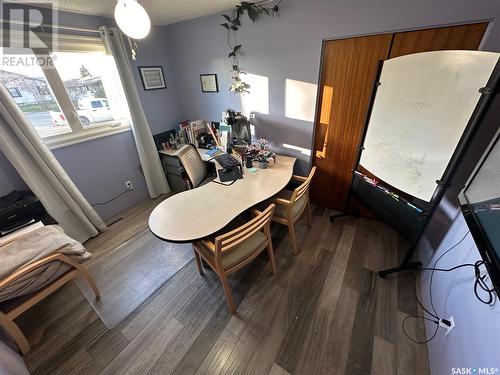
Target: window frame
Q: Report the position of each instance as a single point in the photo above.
(18, 93)
(79, 133)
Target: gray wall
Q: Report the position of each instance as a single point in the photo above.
(290, 47)
(161, 106)
(99, 169)
(475, 341)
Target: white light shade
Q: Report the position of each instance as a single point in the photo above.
(132, 19)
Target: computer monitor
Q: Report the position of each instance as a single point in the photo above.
(240, 132)
(240, 127)
(480, 204)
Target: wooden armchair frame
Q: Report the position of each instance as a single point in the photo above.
(7, 318)
(213, 252)
(289, 219)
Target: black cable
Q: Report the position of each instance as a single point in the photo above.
(447, 269)
(482, 284)
(435, 264)
(418, 300)
(223, 184)
(108, 201)
(434, 314)
(479, 283)
(419, 317)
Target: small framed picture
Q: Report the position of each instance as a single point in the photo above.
(209, 83)
(152, 77)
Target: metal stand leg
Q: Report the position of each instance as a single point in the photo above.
(404, 266)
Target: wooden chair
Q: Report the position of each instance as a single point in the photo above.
(7, 318)
(235, 249)
(291, 205)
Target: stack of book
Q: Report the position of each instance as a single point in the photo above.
(190, 131)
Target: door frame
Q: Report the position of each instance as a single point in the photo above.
(394, 31)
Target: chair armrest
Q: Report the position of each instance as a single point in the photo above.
(299, 178)
(281, 201)
(34, 265)
(209, 245)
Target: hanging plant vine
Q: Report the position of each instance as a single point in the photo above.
(233, 23)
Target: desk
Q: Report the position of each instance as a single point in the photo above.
(198, 213)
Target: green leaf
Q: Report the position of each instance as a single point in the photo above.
(236, 21)
(225, 25)
(226, 17)
(232, 54)
(252, 14)
(234, 27)
(236, 48)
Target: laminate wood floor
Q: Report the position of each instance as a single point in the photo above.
(325, 312)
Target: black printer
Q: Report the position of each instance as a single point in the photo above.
(18, 209)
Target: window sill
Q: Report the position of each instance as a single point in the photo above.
(90, 134)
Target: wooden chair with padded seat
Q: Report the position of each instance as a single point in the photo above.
(290, 205)
(233, 250)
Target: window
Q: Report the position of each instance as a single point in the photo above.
(96, 104)
(40, 109)
(90, 79)
(14, 92)
(42, 90)
(78, 97)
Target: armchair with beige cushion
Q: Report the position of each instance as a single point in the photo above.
(291, 205)
(195, 171)
(33, 266)
(233, 250)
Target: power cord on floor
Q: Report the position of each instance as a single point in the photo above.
(110, 200)
(479, 284)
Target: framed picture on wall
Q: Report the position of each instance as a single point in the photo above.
(152, 77)
(209, 83)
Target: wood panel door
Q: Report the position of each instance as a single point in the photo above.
(348, 71)
(442, 38)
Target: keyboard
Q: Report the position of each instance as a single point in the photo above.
(226, 161)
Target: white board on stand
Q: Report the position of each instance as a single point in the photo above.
(420, 111)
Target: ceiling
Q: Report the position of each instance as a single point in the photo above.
(162, 12)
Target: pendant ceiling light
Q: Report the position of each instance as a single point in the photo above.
(132, 19)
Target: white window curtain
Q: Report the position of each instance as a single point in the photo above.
(43, 174)
(148, 154)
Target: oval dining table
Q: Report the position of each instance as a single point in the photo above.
(198, 213)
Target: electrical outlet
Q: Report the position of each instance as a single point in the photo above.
(128, 185)
(447, 328)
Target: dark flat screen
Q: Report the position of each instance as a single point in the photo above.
(480, 202)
